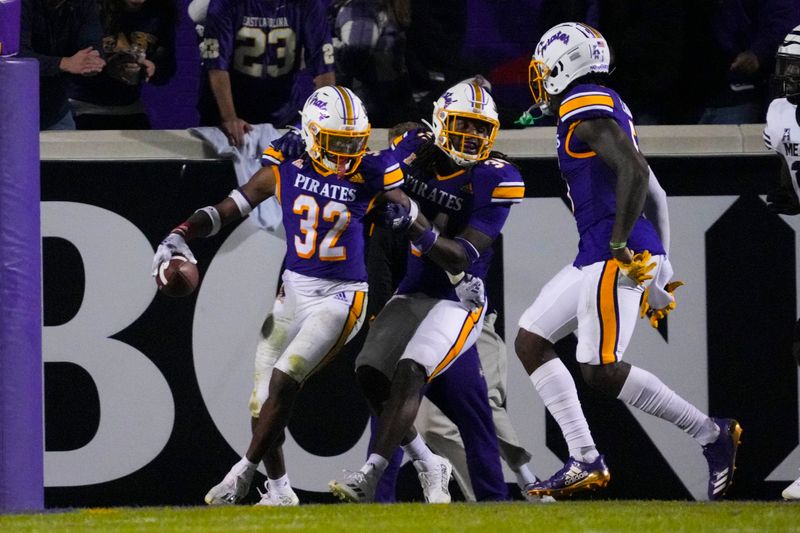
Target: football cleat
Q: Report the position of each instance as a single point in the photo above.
(356, 487)
(273, 498)
(721, 457)
(792, 492)
(536, 499)
(575, 476)
(434, 476)
(235, 486)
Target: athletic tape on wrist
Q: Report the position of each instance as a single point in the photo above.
(426, 241)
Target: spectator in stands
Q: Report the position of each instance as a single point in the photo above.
(64, 36)
(139, 46)
(735, 66)
(251, 51)
(369, 43)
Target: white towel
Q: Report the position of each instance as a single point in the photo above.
(246, 162)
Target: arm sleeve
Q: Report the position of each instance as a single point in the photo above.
(656, 211)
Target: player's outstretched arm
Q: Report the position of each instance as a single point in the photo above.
(209, 220)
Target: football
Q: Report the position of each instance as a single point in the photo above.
(178, 277)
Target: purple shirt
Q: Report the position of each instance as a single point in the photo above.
(322, 214)
(591, 184)
(479, 196)
(259, 42)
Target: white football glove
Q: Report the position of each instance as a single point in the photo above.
(173, 244)
(470, 290)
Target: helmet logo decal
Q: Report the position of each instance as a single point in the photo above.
(558, 36)
(316, 102)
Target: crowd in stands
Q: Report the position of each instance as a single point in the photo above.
(677, 62)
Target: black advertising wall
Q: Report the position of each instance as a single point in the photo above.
(102, 221)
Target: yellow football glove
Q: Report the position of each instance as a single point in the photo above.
(639, 268)
(657, 302)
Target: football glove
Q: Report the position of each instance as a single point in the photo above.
(470, 290)
(397, 217)
(657, 302)
(639, 268)
(425, 154)
(783, 201)
(290, 144)
(172, 245)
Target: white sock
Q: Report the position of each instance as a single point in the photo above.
(645, 391)
(554, 384)
(244, 464)
(281, 484)
(524, 476)
(417, 450)
(375, 461)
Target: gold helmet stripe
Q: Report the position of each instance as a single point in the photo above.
(347, 104)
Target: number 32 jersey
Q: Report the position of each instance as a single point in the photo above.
(322, 213)
(782, 135)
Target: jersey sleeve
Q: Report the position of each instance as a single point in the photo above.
(496, 186)
(770, 134)
(219, 35)
(317, 40)
(380, 172)
(585, 105)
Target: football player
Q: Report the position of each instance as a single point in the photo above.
(782, 135)
(321, 305)
(437, 311)
(251, 50)
(619, 253)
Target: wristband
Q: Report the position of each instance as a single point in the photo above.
(216, 220)
(241, 202)
(618, 245)
(426, 241)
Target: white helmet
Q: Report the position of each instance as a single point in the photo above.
(335, 128)
(787, 67)
(465, 122)
(564, 53)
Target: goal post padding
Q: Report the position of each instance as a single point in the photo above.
(21, 396)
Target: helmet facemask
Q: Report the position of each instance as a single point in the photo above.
(338, 150)
(537, 73)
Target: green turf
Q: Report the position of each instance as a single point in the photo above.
(634, 516)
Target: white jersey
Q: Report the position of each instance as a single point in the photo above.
(782, 135)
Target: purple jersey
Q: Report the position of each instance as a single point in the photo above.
(260, 42)
(591, 184)
(479, 196)
(322, 214)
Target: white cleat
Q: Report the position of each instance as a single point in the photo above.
(792, 492)
(273, 498)
(434, 476)
(233, 488)
(356, 487)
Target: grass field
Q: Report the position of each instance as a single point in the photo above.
(634, 516)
